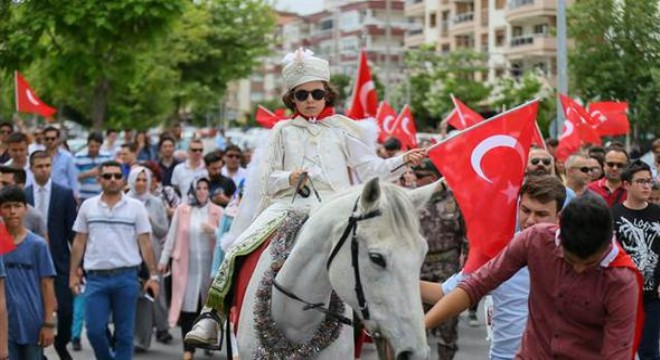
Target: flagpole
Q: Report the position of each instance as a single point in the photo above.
(458, 110)
(477, 125)
(460, 132)
(538, 130)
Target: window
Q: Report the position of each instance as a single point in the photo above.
(500, 37)
(326, 25)
(516, 31)
(541, 29)
(432, 20)
(500, 4)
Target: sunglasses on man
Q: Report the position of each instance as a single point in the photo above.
(545, 161)
(109, 176)
(302, 95)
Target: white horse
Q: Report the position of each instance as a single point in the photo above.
(389, 251)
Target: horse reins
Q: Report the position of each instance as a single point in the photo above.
(351, 229)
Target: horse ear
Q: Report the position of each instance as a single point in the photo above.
(421, 195)
(370, 195)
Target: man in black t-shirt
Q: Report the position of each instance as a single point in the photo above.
(221, 188)
(637, 226)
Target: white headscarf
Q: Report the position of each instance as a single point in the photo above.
(132, 179)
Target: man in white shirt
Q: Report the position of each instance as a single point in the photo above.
(232, 168)
(17, 145)
(184, 173)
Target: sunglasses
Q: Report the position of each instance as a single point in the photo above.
(235, 156)
(422, 175)
(585, 169)
(615, 164)
(50, 138)
(536, 161)
(302, 95)
(108, 176)
(197, 150)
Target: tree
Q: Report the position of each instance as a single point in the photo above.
(342, 84)
(617, 55)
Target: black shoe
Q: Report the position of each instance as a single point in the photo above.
(75, 344)
(163, 337)
(63, 353)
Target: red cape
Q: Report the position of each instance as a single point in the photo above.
(623, 260)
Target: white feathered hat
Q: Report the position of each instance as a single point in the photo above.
(302, 67)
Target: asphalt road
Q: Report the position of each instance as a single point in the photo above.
(472, 346)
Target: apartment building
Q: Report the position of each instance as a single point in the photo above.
(517, 35)
(337, 33)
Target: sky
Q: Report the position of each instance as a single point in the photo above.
(299, 6)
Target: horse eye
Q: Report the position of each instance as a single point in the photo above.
(378, 259)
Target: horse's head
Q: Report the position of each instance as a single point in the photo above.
(383, 287)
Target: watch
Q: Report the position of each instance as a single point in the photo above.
(154, 278)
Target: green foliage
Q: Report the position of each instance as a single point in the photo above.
(132, 62)
(342, 84)
(617, 55)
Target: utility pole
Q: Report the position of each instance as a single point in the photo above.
(562, 64)
(388, 40)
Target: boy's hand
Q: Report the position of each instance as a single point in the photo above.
(46, 336)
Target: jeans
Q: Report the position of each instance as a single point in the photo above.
(649, 348)
(25, 352)
(116, 294)
(78, 316)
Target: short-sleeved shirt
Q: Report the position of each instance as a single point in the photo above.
(90, 186)
(224, 185)
(3, 273)
(112, 232)
(612, 198)
(26, 266)
(34, 222)
(183, 175)
(64, 171)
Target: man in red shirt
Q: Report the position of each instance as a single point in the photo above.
(610, 187)
(583, 302)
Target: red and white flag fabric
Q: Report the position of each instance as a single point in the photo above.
(365, 99)
(484, 166)
(463, 117)
(578, 129)
(405, 129)
(611, 117)
(27, 101)
(6, 240)
(267, 118)
(386, 119)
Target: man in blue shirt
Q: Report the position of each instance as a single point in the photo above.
(30, 290)
(4, 350)
(541, 198)
(64, 170)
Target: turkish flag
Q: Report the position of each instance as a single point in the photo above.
(577, 129)
(27, 101)
(386, 119)
(6, 240)
(484, 166)
(365, 99)
(405, 129)
(463, 117)
(611, 117)
(268, 119)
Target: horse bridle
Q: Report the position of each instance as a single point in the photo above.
(351, 229)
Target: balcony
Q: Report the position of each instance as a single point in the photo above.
(414, 8)
(532, 45)
(414, 38)
(529, 11)
(444, 28)
(463, 22)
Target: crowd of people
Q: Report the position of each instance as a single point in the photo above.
(142, 233)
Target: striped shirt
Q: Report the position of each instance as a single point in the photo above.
(89, 186)
(112, 232)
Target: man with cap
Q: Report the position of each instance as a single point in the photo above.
(307, 159)
(443, 228)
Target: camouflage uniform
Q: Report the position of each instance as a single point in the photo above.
(444, 229)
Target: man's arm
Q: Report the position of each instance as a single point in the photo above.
(431, 292)
(622, 306)
(47, 332)
(72, 175)
(4, 328)
(79, 244)
(144, 240)
(450, 305)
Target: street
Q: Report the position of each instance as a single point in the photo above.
(472, 346)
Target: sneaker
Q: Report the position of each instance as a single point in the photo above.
(75, 344)
(204, 334)
(472, 319)
(163, 337)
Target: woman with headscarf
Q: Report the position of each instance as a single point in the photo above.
(150, 312)
(190, 244)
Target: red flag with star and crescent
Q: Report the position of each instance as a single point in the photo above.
(463, 117)
(365, 99)
(484, 165)
(6, 240)
(405, 129)
(267, 118)
(386, 119)
(611, 117)
(578, 129)
(27, 101)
